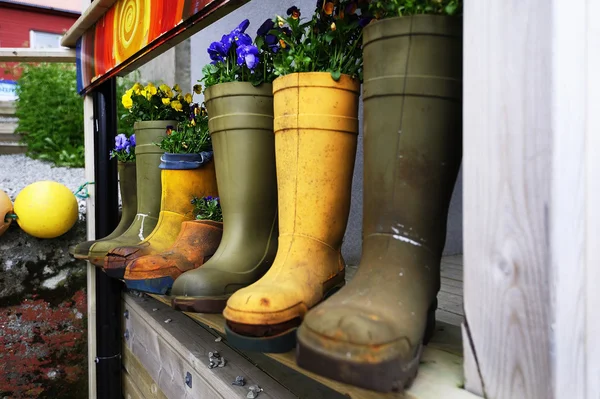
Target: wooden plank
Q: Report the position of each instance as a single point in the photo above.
(449, 318)
(8, 54)
(170, 350)
(130, 389)
(87, 19)
(506, 165)
(88, 132)
(451, 273)
(574, 215)
(440, 376)
(139, 375)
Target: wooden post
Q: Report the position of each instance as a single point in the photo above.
(507, 172)
(575, 216)
(532, 197)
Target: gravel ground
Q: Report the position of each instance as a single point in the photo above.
(18, 171)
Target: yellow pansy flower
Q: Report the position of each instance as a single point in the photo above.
(137, 88)
(166, 90)
(177, 88)
(197, 89)
(176, 105)
(129, 92)
(143, 92)
(126, 100)
(166, 101)
(151, 90)
(188, 98)
(333, 27)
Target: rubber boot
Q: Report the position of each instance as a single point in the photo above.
(241, 128)
(197, 242)
(316, 129)
(127, 186)
(181, 181)
(371, 333)
(147, 158)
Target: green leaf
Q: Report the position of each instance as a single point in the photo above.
(336, 75)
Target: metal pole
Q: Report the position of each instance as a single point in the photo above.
(108, 291)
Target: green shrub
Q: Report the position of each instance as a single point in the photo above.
(50, 113)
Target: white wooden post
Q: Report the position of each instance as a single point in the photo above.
(575, 216)
(507, 171)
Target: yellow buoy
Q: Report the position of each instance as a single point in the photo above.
(46, 209)
(6, 206)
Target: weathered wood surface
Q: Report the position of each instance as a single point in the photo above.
(136, 372)
(8, 54)
(170, 350)
(575, 206)
(130, 389)
(440, 375)
(507, 170)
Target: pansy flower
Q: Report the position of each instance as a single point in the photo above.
(265, 28)
(132, 140)
(294, 12)
(328, 7)
(216, 51)
(248, 55)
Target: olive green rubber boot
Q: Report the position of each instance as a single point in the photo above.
(127, 186)
(241, 128)
(371, 333)
(147, 155)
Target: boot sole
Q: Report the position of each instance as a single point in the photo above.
(200, 305)
(115, 273)
(279, 342)
(160, 285)
(387, 376)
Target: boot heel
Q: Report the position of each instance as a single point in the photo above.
(430, 328)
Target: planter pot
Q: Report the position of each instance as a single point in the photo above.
(127, 186)
(241, 127)
(183, 176)
(372, 332)
(148, 184)
(316, 130)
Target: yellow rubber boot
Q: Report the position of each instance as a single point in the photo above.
(178, 189)
(316, 128)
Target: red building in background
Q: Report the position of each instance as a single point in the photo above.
(34, 24)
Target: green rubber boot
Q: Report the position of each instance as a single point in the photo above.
(371, 333)
(241, 128)
(127, 186)
(147, 155)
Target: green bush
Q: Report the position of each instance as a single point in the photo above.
(50, 113)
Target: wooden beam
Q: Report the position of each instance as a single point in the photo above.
(575, 216)
(507, 171)
(8, 54)
(169, 345)
(87, 19)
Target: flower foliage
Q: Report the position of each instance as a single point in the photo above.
(208, 208)
(190, 136)
(236, 58)
(331, 41)
(152, 103)
(124, 149)
(398, 8)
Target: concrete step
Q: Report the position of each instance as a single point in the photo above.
(7, 108)
(12, 148)
(10, 137)
(7, 128)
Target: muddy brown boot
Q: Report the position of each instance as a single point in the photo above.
(371, 333)
(127, 186)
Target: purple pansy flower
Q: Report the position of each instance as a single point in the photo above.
(272, 42)
(247, 55)
(265, 27)
(217, 52)
(132, 140)
(242, 26)
(120, 142)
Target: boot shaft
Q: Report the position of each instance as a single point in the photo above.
(180, 186)
(128, 189)
(147, 155)
(241, 129)
(412, 127)
(316, 130)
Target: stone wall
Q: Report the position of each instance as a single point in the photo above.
(43, 317)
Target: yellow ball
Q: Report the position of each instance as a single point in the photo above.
(6, 206)
(46, 209)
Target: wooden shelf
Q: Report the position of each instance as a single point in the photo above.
(440, 375)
